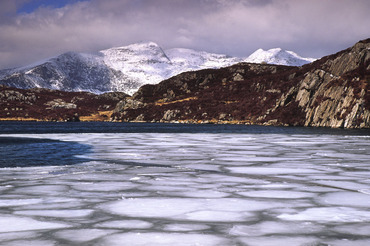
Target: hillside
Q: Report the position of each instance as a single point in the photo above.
(330, 92)
(52, 105)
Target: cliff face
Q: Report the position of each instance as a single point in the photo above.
(330, 92)
(337, 95)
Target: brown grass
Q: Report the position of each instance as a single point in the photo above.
(100, 116)
(161, 102)
(19, 119)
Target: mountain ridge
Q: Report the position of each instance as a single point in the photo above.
(122, 69)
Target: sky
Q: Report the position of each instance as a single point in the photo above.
(33, 30)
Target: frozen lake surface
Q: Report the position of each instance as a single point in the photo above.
(173, 188)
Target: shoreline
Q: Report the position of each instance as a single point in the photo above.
(175, 122)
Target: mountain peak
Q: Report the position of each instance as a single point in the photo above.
(138, 53)
(278, 56)
(138, 46)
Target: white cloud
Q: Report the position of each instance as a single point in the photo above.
(236, 27)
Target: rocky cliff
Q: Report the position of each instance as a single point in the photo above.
(330, 92)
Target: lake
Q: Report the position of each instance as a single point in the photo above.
(176, 184)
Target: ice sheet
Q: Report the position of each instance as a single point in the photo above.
(17, 223)
(329, 214)
(187, 208)
(30, 243)
(82, 235)
(70, 213)
(352, 199)
(19, 202)
(283, 194)
(271, 170)
(152, 238)
(185, 227)
(189, 189)
(129, 224)
(281, 240)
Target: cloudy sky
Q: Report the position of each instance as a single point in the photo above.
(31, 30)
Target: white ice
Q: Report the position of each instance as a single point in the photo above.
(30, 243)
(285, 194)
(230, 209)
(41, 189)
(169, 239)
(280, 240)
(329, 214)
(343, 184)
(70, 213)
(104, 186)
(220, 216)
(185, 227)
(188, 189)
(7, 236)
(352, 199)
(17, 223)
(273, 227)
(128, 224)
(19, 202)
(82, 235)
(271, 170)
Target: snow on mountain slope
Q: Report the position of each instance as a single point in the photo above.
(143, 63)
(129, 67)
(188, 59)
(278, 56)
(147, 63)
(70, 72)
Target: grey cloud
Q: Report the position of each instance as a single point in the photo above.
(236, 27)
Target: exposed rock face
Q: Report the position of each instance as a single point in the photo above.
(60, 103)
(330, 92)
(337, 95)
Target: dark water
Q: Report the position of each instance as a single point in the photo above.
(23, 152)
(10, 127)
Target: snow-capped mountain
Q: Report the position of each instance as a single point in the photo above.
(70, 72)
(127, 68)
(195, 60)
(147, 63)
(278, 56)
(143, 63)
(117, 69)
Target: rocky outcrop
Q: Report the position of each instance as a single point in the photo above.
(333, 105)
(60, 103)
(337, 95)
(330, 92)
